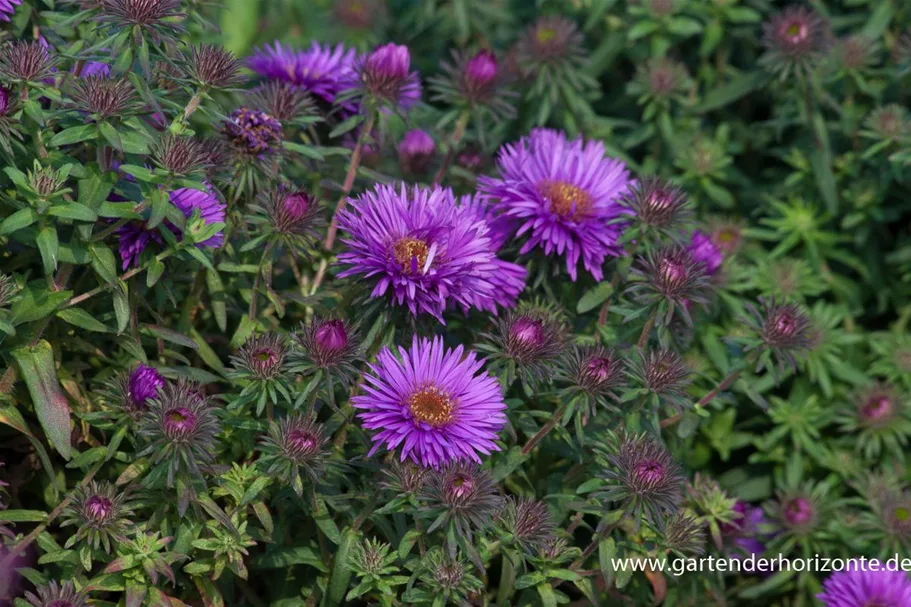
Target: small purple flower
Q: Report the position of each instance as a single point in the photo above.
(744, 533)
(98, 507)
(798, 512)
(565, 195)
(95, 68)
(8, 8)
(253, 132)
(211, 210)
(481, 70)
(857, 588)
(434, 402)
(145, 382)
(134, 238)
(324, 71)
(331, 337)
(416, 151)
(705, 252)
(384, 74)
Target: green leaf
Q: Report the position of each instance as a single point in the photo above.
(156, 269)
(593, 298)
(74, 134)
(47, 245)
(82, 319)
(35, 304)
(732, 91)
(206, 353)
(73, 210)
(347, 125)
(12, 418)
(36, 365)
(169, 335)
(341, 570)
(121, 296)
(110, 133)
(22, 516)
(104, 263)
(18, 220)
(217, 298)
(825, 180)
(244, 330)
(139, 172)
(93, 191)
(286, 557)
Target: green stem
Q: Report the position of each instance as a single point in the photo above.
(544, 431)
(251, 313)
(647, 329)
(349, 179)
(457, 135)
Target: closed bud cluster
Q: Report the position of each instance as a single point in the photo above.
(552, 42)
(683, 534)
(292, 214)
(328, 344)
(476, 80)
(211, 66)
(534, 337)
(784, 330)
(385, 76)
(22, 61)
(889, 123)
(462, 495)
(659, 205)
(671, 275)
(56, 594)
(527, 523)
(143, 13)
(795, 40)
(447, 577)
(262, 357)
(798, 512)
(181, 155)
(282, 100)
(295, 447)
(643, 475)
(663, 375)
(8, 290)
(404, 478)
(372, 559)
(101, 514)
(103, 97)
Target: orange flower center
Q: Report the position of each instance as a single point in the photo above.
(409, 248)
(566, 200)
(431, 406)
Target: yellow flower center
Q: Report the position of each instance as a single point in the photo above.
(566, 200)
(409, 248)
(431, 406)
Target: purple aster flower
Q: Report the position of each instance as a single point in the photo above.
(416, 151)
(8, 8)
(253, 132)
(94, 68)
(322, 70)
(384, 74)
(564, 194)
(145, 382)
(795, 40)
(857, 588)
(433, 402)
(134, 237)
(418, 246)
(211, 210)
(744, 533)
(705, 252)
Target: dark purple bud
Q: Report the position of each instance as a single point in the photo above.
(179, 422)
(98, 507)
(459, 486)
(390, 62)
(331, 336)
(798, 511)
(4, 101)
(263, 356)
(481, 70)
(527, 332)
(416, 151)
(296, 205)
(145, 382)
(253, 132)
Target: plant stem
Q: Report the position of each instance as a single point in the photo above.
(544, 431)
(647, 329)
(128, 274)
(723, 385)
(457, 135)
(349, 179)
(251, 313)
(507, 581)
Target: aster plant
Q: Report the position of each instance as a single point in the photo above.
(260, 366)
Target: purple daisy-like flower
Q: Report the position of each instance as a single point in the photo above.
(144, 384)
(8, 8)
(420, 248)
(134, 238)
(322, 70)
(705, 252)
(565, 194)
(858, 588)
(433, 402)
(211, 210)
(744, 533)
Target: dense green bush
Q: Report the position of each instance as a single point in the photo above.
(453, 301)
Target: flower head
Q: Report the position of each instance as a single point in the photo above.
(253, 133)
(595, 371)
(100, 512)
(795, 40)
(282, 100)
(784, 331)
(292, 214)
(329, 344)
(671, 275)
(797, 512)
(419, 248)
(385, 76)
(855, 587)
(856, 52)
(531, 338)
(149, 14)
(659, 205)
(475, 80)
(726, 234)
(57, 594)
(553, 43)
(405, 478)
(659, 80)
(323, 71)
(211, 66)
(683, 533)
(663, 375)
(8, 8)
(433, 402)
(527, 523)
(262, 357)
(463, 496)
(878, 415)
(179, 428)
(417, 151)
(889, 123)
(704, 251)
(22, 61)
(134, 238)
(564, 195)
(211, 210)
(181, 155)
(294, 446)
(144, 384)
(642, 474)
(8, 290)
(448, 577)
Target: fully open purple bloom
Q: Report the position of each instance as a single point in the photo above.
(432, 402)
(565, 195)
(144, 384)
(853, 588)
(211, 210)
(420, 248)
(8, 8)
(704, 251)
(322, 70)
